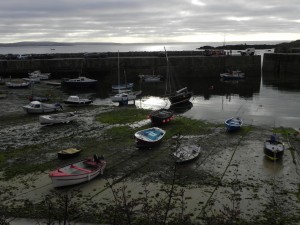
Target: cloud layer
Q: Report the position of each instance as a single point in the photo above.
(148, 21)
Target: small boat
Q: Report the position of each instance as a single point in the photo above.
(34, 80)
(76, 101)
(186, 153)
(150, 78)
(68, 153)
(273, 148)
(121, 86)
(149, 137)
(80, 82)
(125, 86)
(124, 97)
(161, 116)
(38, 74)
(39, 107)
(233, 124)
(234, 74)
(180, 96)
(58, 118)
(78, 172)
(16, 85)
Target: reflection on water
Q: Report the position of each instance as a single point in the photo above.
(272, 100)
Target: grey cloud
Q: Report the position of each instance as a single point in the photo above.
(79, 20)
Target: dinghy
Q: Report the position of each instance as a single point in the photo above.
(78, 172)
(273, 148)
(149, 137)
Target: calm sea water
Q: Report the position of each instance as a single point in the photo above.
(114, 47)
(269, 101)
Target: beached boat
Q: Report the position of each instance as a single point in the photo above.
(181, 96)
(78, 172)
(234, 74)
(161, 116)
(76, 101)
(125, 86)
(125, 96)
(233, 124)
(68, 153)
(80, 82)
(18, 85)
(40, 75)
(40, 107)
(58, 118)
(273, 148)
(149, 137)
(186, 153)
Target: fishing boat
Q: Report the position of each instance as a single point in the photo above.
(234, 74)
(78, 172)
(18, 85)
(161, 116)
(80, 82)
(40, 107)
(273, 148)
(233, 124)
(149, 137)
(58, 118)
(76, 101)
(186, 153)
(68, 153)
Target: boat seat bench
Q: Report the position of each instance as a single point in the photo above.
(82, 169)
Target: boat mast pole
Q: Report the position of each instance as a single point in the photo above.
(118, 71)
(168, 76)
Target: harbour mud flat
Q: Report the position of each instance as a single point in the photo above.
(227, 160)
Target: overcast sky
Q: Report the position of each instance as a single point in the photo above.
(129, 21)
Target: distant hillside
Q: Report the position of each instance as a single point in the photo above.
(48, 43)
(240, 47)
(291, 47)
(286, 47)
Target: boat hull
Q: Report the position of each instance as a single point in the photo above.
(162, 116)
(78, 103)
(57, 118)
(274, 151)
(233, 124)
(76, 173)
(149, 137)
(181, 98)
(68, 153)
(186, 153)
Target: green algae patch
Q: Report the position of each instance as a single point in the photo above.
(123, 116)
(185, 126)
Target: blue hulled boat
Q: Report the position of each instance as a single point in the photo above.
(233, 124)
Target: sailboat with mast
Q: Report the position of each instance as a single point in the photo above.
(180, 96)
(124, 95)
(121, 87)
